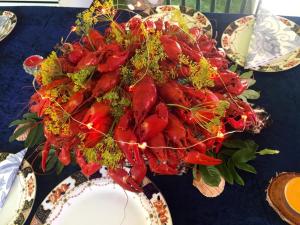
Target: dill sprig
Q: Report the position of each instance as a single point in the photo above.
(201, 73)
(127, 76)
(149, 56)
(50, 68)
(55, 121)
(106, 152)
(81, 77)
(118, 103)
(98, 12)
(219, 111)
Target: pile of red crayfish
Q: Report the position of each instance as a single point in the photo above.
(144, 93)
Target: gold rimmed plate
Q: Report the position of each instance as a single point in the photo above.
(98, 200)
(20, 199)
(236, 38)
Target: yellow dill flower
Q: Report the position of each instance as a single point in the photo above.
(201, 74)
(110, 153)
(105, 152)
(50, 68)
(98, 12)
(149, 57)
(56, 121)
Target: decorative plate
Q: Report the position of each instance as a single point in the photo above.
(236, 38)
(98, 200)
(8, 21)
(21, 197)
(194, 18)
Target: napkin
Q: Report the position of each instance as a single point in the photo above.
(3, 21)
(8, 171)
(271, 39)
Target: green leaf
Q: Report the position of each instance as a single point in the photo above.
(40, 138)
(237, 178)
(233, 67)
(223, 169)
(246, 167)
(243, 98)
(30, 116)
(250, 82)
(268, 151)
(51, 163)
(251, 144)
(17, 122)
(29, 142)
(250, 94)
(59, 167)
(227, 152)
(210, 175)
(195, 172)
(234, 143)
(19, 132)
(247, 75)
(244, 155)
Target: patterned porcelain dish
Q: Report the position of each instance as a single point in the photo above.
(21, 197)
(193, 17)
(236, 38)
(8, 21)
(98, 200)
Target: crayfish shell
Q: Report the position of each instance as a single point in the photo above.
(277, 199)
(206, 190)
(23, 136)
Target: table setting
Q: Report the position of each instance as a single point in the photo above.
(148, 115)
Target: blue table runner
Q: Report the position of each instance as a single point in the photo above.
(39, 29)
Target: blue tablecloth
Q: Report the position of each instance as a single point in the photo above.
(39, 29)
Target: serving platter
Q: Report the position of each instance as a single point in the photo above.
(236, 38)
(99, 200)
(8, 21)
(20, 199)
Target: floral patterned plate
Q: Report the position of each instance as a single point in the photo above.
(193, 17)
(98, 200)
(21, 197)
(236, 38)
(8, 21)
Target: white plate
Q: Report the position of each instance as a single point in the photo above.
(8, 21)
(98, 200)
(20, 199)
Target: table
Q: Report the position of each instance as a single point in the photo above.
(39, 29)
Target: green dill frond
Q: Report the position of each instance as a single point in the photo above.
(116, 33)
(149, 56)
(219, 112)
(117, 103)
(127, 77)
(80, 78)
